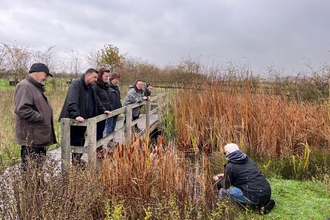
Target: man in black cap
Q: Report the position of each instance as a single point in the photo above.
(34, 115)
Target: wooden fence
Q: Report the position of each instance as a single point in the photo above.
(155, 106)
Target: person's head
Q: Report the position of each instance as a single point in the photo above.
(103, 76)
(149, 87)
(91, 76)
(39, 72)
(138, 84)
(114, 78)
(230, 148)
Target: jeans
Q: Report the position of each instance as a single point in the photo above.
(111, 124)
(235, 194)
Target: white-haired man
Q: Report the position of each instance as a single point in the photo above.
(243, 182)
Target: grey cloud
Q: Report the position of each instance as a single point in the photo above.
(259, 32)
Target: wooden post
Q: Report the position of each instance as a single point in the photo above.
(167, 101)
(128, 128)
(65, 143)
(159, 109)
(91, 140)
(148, 108)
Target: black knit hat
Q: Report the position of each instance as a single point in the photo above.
(40, 67)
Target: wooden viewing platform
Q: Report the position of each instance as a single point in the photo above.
(122, 134)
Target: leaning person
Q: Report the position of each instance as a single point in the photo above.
(147, 89)
(34, 123)
(81, 103)
(114, 94)
(101, 88)
(243, 182)
(135, 95)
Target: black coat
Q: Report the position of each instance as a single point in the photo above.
(77, 100)
(114, 95)
(103, 94)
(145, 90)
(245, 175)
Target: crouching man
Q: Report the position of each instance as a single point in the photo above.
(243, 182)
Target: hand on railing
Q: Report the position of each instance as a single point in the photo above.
(146, 98)
(108, 112)
(80, 119)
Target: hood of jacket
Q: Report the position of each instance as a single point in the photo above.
(237, 157)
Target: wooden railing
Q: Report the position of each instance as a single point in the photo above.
(155, 106)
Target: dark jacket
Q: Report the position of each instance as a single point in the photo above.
(34, 116)
(241, 172)
(114, 95)
(103, 94)
(146, 92)
(77, 100)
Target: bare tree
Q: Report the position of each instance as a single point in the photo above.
(72, 63)
(75, 62)
(18, 59)
(94, 59)
(3, 60)
(47, 57)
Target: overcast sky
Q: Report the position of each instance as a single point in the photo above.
(258, 33)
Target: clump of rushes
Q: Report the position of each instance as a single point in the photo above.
(159, 180)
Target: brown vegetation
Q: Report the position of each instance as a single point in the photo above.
(132, 183)
(264, 124)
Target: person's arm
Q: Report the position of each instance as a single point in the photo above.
(73, 100)
(228, 176)
(218, 176)
(133, 97)
(25, 107)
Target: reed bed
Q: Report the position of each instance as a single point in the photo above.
(263, 124)
(139, 181)
(159, 180)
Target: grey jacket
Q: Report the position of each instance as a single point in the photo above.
(132, 97)
(34, 116)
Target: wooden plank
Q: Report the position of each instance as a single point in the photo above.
(148, 117)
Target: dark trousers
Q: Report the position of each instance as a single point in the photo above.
(31, 152)
(100, 129)
(32, 164)
(133, 118)
(77, 137)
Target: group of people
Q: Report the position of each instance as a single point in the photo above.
(94, 93)
(97, 92)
